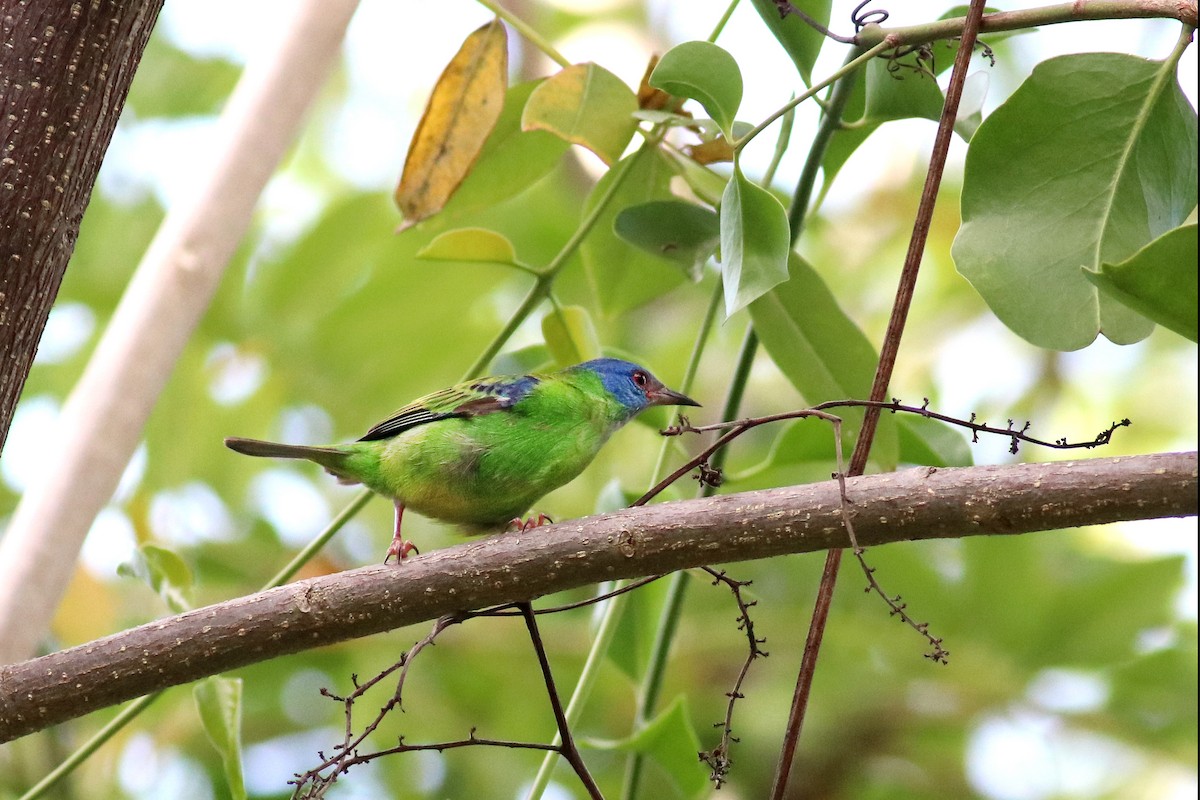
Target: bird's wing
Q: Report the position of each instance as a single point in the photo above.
(471, 399)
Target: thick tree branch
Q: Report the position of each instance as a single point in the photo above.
(920, 503)
(1029, 18)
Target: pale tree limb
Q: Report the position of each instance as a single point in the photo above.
(103, 419)
(920, 503)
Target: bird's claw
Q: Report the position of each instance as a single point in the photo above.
(518, 525)
(400, 548)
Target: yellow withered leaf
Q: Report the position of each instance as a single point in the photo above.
(461, 113)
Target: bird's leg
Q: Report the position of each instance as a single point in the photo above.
(518, 525)
(399, 547)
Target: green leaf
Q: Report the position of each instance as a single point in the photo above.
(1090, 160)
(932, 443)
(164, 572)
(531, 358)
(801, 41)
(704, 183)
(680, 231)
(637, 628)
(1148, 704)
(471, 244)
(1158, 281)
(570, 335)
(755, 242)
(802, 441)
(670, 741)
(901, 89)
(587, 105)
(704, 72)
(623, 276)
(881, 95)
(219, 701)
(173, 83)
(820, 349)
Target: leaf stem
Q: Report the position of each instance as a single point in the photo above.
(850, 66)
(720, 26)
(831, 120)
(545, 280)
(527, 31)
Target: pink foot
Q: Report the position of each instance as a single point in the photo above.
(518, 525)
(400, 547)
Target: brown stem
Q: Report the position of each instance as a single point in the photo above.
(883, 376)
(568, 749)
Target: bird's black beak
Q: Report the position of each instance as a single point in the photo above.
(668, 397)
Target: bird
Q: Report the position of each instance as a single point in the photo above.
(481, 453)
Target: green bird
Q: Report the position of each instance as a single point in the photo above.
(479, 454)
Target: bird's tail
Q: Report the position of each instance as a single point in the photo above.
(331, 458)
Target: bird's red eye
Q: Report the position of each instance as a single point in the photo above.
(640, 378)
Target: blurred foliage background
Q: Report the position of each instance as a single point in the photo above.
(1073, 653)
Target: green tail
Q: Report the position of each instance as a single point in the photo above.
(331, 458)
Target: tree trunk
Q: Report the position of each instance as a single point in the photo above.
(65, 70)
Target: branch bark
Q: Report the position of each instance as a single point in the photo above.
(920, 503)
(1029, 18)
(65, 70)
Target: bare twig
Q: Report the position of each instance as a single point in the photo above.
(316, 781)
(718, 759)
(883, 376)
(567, 749)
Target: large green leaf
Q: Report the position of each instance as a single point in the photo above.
(683, 232)
(886, 90)
(1158, 281)
(1147, 702)
(755, 242)
(163, 571)
(670, 741)
(818, 348)
(624, 276)
(1091, 159)
(174, 83)
(704, 72)
(584, 104)
(637, 629)
(932, 443)
(801, 41)
(219, 701)
(570, 335)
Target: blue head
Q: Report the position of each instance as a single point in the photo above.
(633, 386)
